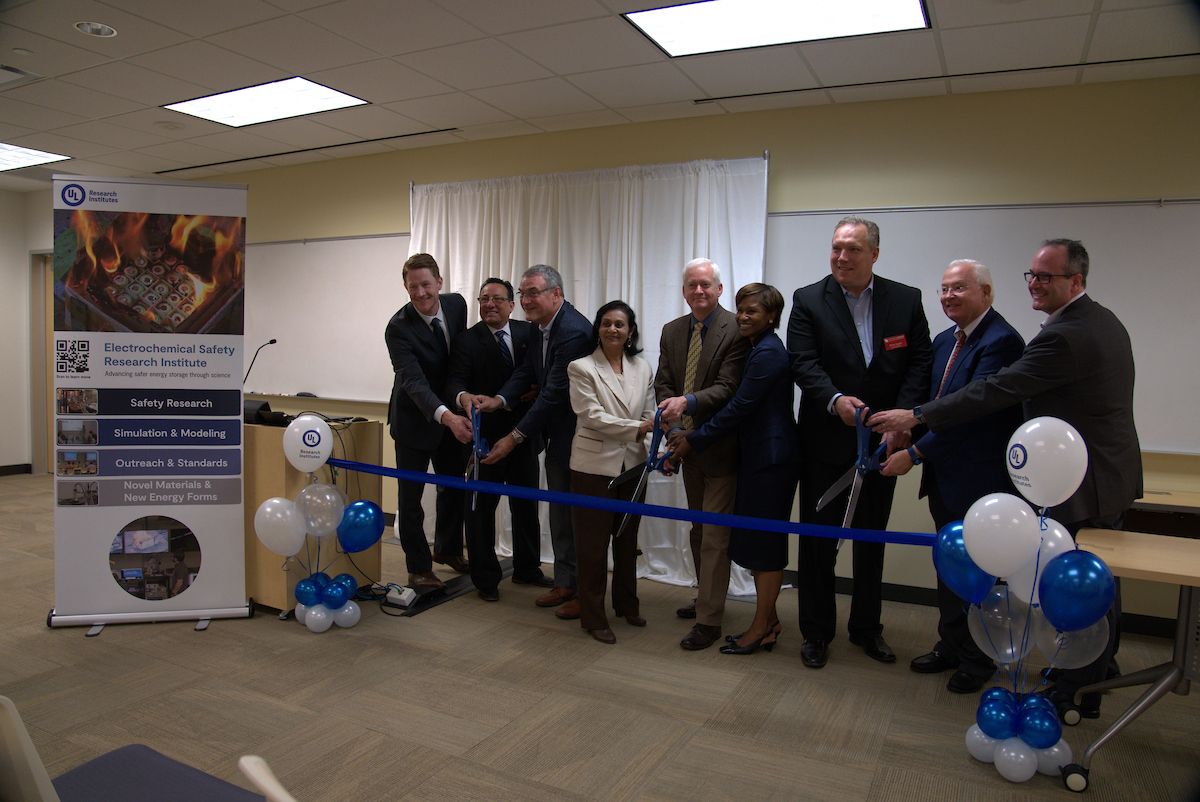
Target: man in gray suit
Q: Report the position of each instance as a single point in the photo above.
(693, 392)
(1080, 369)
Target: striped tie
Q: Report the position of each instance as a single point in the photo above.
(689, 373)
(960, 337)
(504, 352)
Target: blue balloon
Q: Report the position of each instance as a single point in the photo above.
(998, 694)
(956, 568)
(334, 595)
(361, 527)
(307, 592)
(1040, 728)
(997, 720)
(1076, 590)
(1032, 701)
(321, 579)
(349, 581)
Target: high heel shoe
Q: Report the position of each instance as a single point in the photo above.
(749, 648)
(776, 631)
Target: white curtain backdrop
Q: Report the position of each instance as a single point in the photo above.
(616, 233)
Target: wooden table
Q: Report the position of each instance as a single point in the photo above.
(1158, 558)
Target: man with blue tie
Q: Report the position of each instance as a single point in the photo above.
(966, 462)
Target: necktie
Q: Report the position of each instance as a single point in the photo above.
(439, 334)
(689, 372)
(508, 358)
(960, 337)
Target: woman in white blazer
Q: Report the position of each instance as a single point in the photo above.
(612, 392)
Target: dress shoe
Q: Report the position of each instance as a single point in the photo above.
(424, 580)
(489, 595)
(634, 620)
(875, 647)
(688, 612)
(555, 597)
(963, 682)
(454, 562)
(569, 611)
(933, 662)
(603, 635)
(539, 581)
(700, 637)
(814, 653)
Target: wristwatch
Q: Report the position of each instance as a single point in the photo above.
(914, 456)
(517, 436)
(918, 414)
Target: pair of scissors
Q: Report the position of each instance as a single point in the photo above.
(654, 462)
(864, 463)
(479, 450)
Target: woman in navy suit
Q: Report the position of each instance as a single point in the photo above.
(762, 415)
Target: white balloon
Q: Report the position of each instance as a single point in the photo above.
(980, 745)
(307, 443)
(347, 615)
(1050, 759)
(1047, 460)
(318, 618)
(279, 526)
(321, 507)
(1015, 760)
(1001, 533)
(300, 611)
(1055, 540)
(998, 626)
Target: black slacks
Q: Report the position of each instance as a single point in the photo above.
(450, 459)
(518, 468)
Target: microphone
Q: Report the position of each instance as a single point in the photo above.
(271, 341)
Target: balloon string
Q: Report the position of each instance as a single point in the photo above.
(1005, 667)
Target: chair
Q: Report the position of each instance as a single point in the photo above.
(133, 773)
(259, 773)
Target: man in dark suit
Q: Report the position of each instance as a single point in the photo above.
(709, 476)
(856, 340)
(566, 335)
(1080, 369)
(481, 359)
(418, 341)
(964, 463)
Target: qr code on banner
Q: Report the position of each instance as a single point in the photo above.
(72, 356)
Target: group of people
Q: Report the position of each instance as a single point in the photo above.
(858, 348)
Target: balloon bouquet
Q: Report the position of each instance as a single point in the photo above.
(1055, 597)
(321, 511)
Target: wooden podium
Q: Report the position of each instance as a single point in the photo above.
(268, 473)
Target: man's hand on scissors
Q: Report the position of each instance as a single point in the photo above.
(500, 449)
(459, 426)
(673, 408)
(845, 406)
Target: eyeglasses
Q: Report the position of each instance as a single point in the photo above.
(534, 294)
(494, 299)
(1044, 278)
(953, 289)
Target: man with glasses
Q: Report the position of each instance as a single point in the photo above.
(962, 463)
(566, 335)
(1080, 369)
(482, 359)
(418, 341)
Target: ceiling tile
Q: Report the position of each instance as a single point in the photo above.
(357, 149)
(57, 20)
(545, 98)
(448, 111)
(379, 25)
(48, 57)
(858, 94)
(1114, 5)
(7, 130)
(142, 162)
(584, 119)
(506, 16)
(1140, 70)
(39, 118)
(200, 19)
(637, 86)
(670, 111)
(187, 152)
(208, 65)
(498, 130)
(167, 124)
(586, 46)
(115, 136)
(785, 100)
(292, 44)
(471, 65)
(240, 142)
(369, 122)
(1165, 31)
(301, 133)
(1025, 79)
(62, 145)
(766, 69)
(86, 167)
(379, 81)
(137, 83)
(423, 141)
(57, 94)
(1048, 43)
(970, 13)
(885, 57)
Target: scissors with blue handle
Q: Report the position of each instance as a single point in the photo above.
(479, 450)
(864, 463)
(654, 462)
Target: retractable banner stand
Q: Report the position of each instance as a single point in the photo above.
(148, 316)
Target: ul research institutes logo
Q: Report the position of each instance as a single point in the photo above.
(73, 195)
(1017, 456)
(312, 438)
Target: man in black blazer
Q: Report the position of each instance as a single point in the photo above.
(481, 359)
(856, 340)
(566, 335)
(1080, 369)
(962, 464)
(418, 340)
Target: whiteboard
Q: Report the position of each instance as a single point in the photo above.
(328, 303)
(1143, 268)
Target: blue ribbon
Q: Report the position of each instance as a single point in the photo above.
(645, 510)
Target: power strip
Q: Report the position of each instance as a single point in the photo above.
(400, 597)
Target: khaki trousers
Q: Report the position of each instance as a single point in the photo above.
(710, 544)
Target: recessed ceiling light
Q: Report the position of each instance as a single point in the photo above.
(96, 29)
(278, 100)
(716, 25)
(13, 157)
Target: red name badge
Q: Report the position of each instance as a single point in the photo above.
(892, 343)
